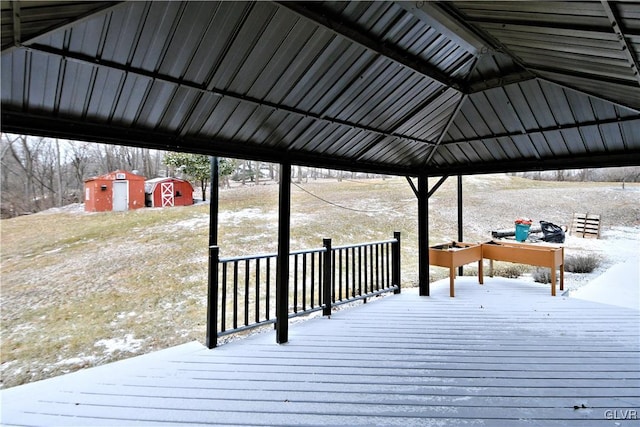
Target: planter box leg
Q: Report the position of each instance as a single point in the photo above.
(452, 278)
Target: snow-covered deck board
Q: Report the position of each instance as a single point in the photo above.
(506, 353)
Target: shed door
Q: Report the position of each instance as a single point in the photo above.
(120, 195)
(166, 188)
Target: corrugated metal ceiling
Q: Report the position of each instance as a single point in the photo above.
(397, 87)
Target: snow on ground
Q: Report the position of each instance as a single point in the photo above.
(619, 286)
(128, 344)
(616, 245)
(617, 280)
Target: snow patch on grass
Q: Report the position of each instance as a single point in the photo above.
(126, 344)
(81, 360)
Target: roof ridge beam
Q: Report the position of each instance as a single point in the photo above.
(563, 29)
(627, 49)
(546, 129)
(590, 77)
(332, 23)
(450, 121)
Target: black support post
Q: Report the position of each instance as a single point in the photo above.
(460, 237)
(212, 298)
(213, 202)
(423, 235)
(327, 277)
(282, 267)
(396, 264)
(211, 339)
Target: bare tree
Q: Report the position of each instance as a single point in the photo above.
(80, 160)
(299, 180)
(22, 154)
(59, 192)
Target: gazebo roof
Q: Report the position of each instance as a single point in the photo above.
(435, 88)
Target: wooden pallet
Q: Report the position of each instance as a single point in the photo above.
(585, 225)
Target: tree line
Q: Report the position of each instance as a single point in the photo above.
(619, 174)
(38, 173)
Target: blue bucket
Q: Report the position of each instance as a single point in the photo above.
(522, 232)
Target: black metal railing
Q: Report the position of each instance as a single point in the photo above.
(242, 291)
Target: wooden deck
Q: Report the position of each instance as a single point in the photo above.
(502, 354)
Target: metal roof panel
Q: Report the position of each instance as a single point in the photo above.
(371, 85)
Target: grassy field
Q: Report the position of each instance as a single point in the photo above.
(80, 289)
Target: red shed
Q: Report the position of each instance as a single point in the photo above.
(162, 192)
(116, 191)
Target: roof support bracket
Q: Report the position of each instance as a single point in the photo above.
(416, 190)
(413, 186)
(438, 184)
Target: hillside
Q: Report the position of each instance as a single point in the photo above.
(80, 289)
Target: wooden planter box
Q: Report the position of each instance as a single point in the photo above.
(523, 253)
(456, 254)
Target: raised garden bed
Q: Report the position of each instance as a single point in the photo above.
(456, 254)
(524, 253)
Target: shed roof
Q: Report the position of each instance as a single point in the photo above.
(115, 175)
(151, 184)
(397, 87)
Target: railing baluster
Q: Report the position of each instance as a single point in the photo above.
(268, 290)
(373, 261)
(333, 278)
(346, 273)
(295, 284)
(223, 317)
(304, 282)
(257, 309)
(339, 298)
(385, 260)
(364, 269)
(377, 267)
(246, 293)
(360, 271)
(235, 295)
(354, 293)
(313, 280)
(320, 278)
